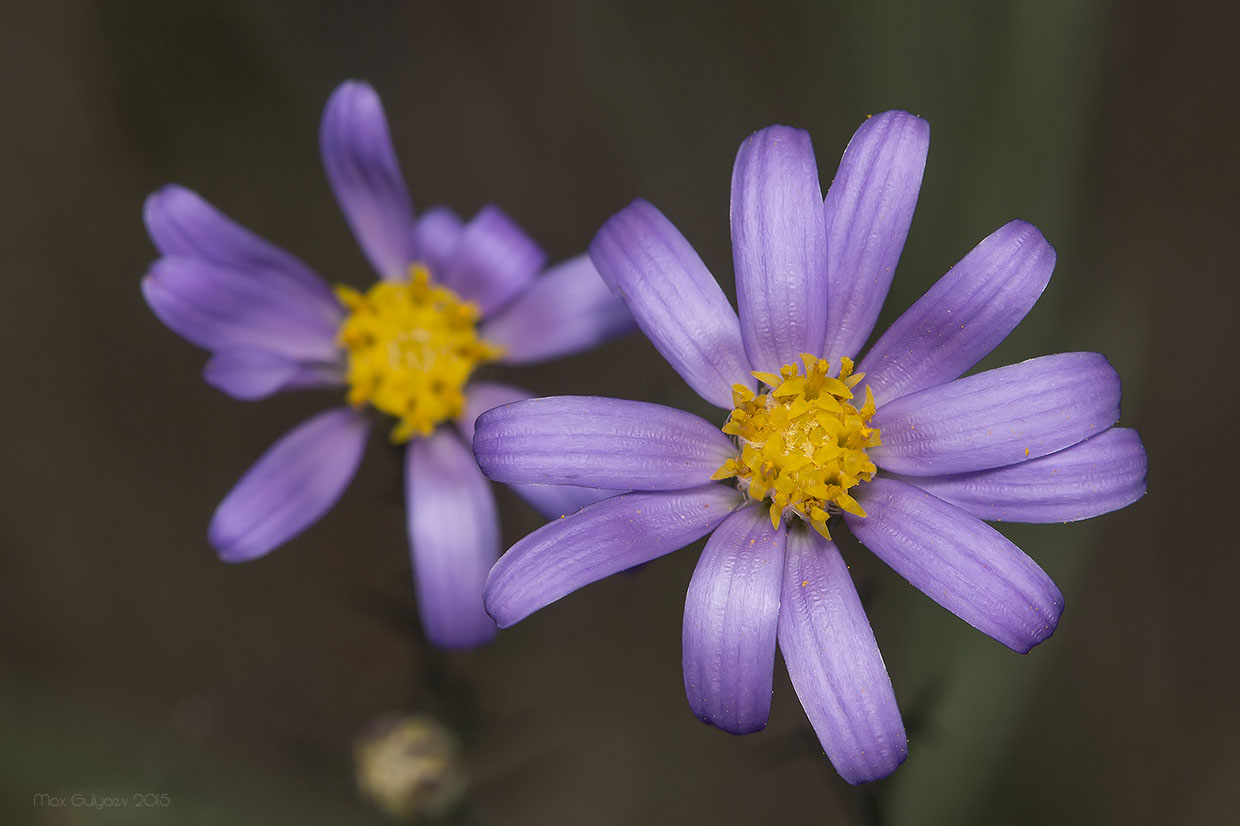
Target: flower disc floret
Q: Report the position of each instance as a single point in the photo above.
(803, 442)
(412, 347)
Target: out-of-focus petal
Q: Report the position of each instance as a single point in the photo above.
(494, 261)
(779, 247)
(869, 207)
(599, 442)
(183, 225)
(454, 536)
(365, 175)
(999, 417)
(834, 662)
(249, 374)
(218, 308)
(674, 298)
(598, 541)
(436, 236)
(1093, 477)
(959, 562)
(554, 501)
(565, 311)
(964, 316)
(296, 481)
(731, 612)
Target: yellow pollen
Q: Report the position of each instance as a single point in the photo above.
(802, 442)
(412, 346)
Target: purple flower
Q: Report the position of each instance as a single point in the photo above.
(908, 455)
(451, 296)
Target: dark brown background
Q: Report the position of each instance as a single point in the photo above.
(132, 661)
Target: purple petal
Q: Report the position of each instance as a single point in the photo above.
(296, 481)
(454, 534)
(552, 501)
(218, 308)
(250, 374)
(598, 541)
(481, 396)
(674, 299)
(868, 211)
(566, 311)
(1093, 477)
(999, 417)
(494, 261)
(964, 316)
(834, 662)
(183, 225)
(779, 247)
(731, 612)
(365, 175)
(959, 562)
(598, 442)
(436, 236)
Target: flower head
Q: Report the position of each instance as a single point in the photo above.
(412, 347)
(894, 444)
(803, 442)
(451, 297)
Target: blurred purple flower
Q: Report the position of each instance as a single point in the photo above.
(913, 461)
(451, 296)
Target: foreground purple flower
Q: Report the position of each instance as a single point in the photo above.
(451, 296)
(907, 454)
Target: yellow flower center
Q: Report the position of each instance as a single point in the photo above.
(803, 442)
(412, 347)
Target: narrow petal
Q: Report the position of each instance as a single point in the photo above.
(218, 308)
(454, 536)
(495, 260)
(779, 247)
(568, 310)
(552, 501)
(598, 442)
(964, 316)
(249, 374)
(598, 541)
(674, 299)
(731, 612)
(869, 208)
(959, 562)
(834, 662)
(436, 236)
(365, 175)
(1093, 477)
(296, 481)
(182, 224)
(999, 417)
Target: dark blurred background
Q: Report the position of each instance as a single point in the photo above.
(133, 662)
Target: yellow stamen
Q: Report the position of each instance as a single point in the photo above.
(803, 442)
(412, 346)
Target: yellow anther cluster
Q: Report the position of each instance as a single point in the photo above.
(412, 347)
(802, 442)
